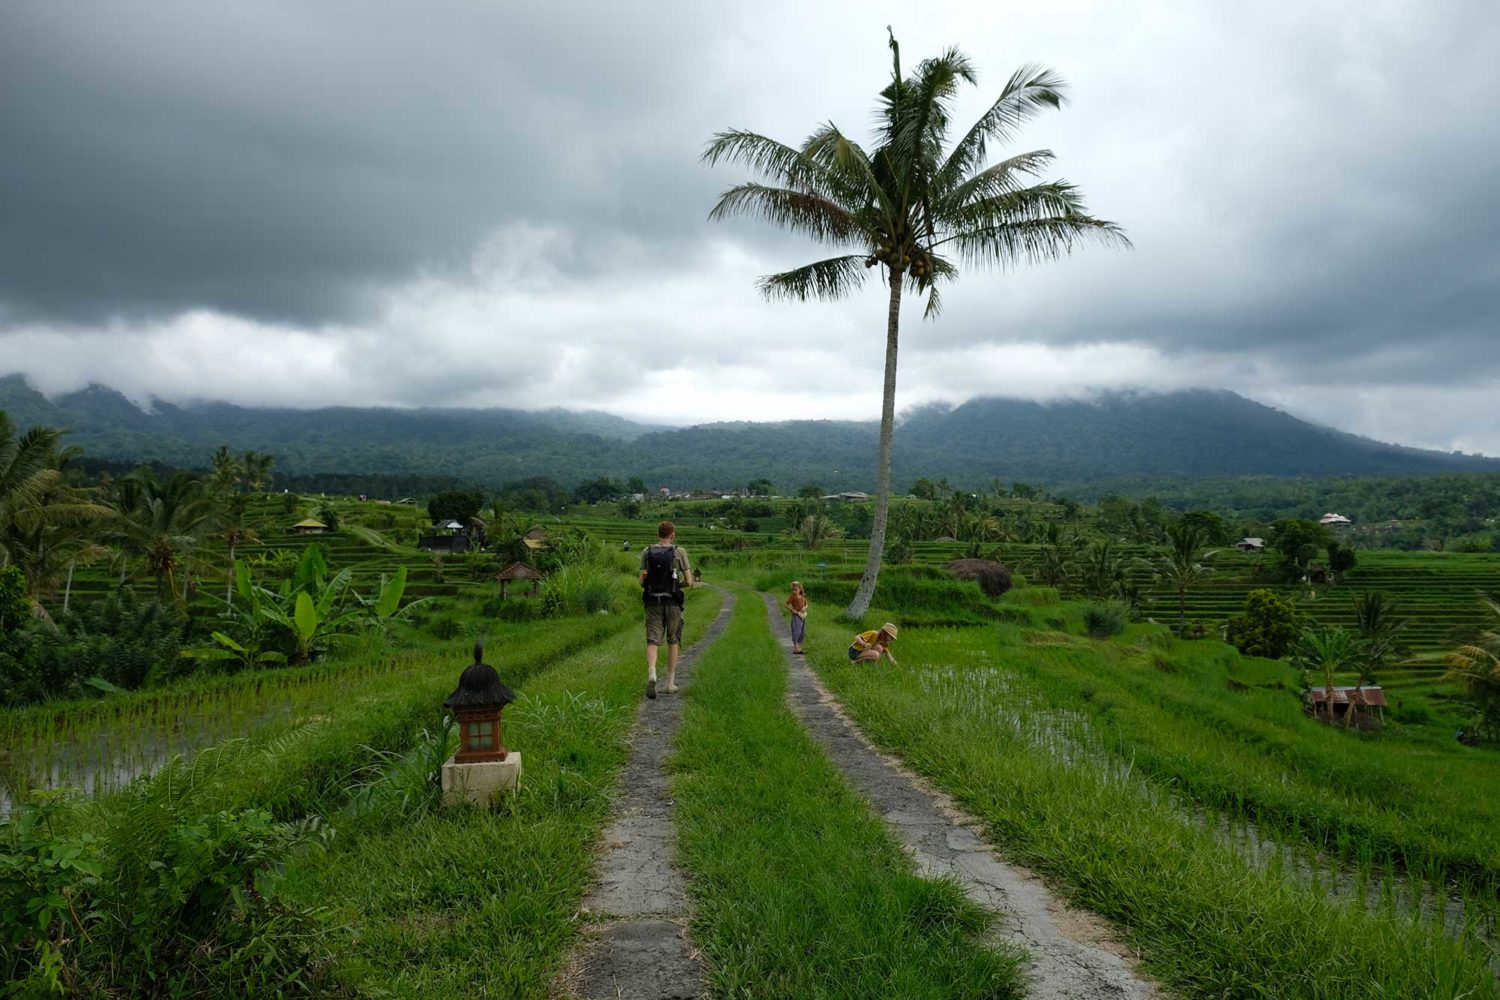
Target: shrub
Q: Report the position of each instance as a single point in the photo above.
(170, 900)
(994, 578)
(1268, 626)
(1103, 619)
(122, 641)
(445, 627)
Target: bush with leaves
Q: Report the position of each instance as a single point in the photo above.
(119, 642)
(1103, 619)
(1268, 626)
(167, 899)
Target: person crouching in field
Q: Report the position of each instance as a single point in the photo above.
(664, 576)
(869, 647)
(797, 605)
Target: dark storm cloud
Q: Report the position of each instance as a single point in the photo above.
(286, 161)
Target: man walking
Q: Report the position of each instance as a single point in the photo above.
(664, 576)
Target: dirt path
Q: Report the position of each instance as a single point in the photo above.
(1073, 954)
(639, 949)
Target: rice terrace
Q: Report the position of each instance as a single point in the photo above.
(372, 378)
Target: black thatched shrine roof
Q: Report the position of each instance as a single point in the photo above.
(479, 685)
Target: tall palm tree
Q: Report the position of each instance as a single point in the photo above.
(1182, 568)
(45, 522)
(915, 206)
(28, 473)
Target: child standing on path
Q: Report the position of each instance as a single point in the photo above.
(797, 605)
(869, 647)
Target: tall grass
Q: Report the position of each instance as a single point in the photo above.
(967, 709)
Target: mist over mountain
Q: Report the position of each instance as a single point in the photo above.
(1187, 433)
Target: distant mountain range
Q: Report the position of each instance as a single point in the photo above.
(1189, 433)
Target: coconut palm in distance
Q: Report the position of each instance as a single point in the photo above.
(1182, 567)
(914, 206)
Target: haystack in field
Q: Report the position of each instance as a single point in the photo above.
(994, 577)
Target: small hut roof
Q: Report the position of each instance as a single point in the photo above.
(309, 522)
(534, 543)
(1369, 696)
(452, 525)
(520, 571)
(479, 685)
(538, 533)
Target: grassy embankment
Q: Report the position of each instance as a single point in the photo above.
(800, 890)
(468, 902)
(1061, 745)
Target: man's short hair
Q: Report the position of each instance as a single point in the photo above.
(666, 529)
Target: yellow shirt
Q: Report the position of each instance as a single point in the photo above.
(869, 638)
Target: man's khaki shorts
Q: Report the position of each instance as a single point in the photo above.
(663, 624)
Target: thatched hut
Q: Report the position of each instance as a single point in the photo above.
(993, 577)
(1363, 707)
(520, 571)
(310, 526)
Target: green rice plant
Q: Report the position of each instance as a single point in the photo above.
(1065, 752)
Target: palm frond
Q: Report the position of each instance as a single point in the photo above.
(826, 279)
(794, 210)
(1034, 241)
(788, 167)
(1010, 174)
(1029, 91)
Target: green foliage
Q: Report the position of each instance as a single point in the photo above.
(1341, 559)
(1324, 652)
(329, 515)
(1298, 541)
(596, 490)
(123, 641)
(1102, 619)
(169, 901)
(1268, 626)
(1475, 664)
(15, 609)
(455, 505)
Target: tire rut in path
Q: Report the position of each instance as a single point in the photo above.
(1072, 952)
(640, 949)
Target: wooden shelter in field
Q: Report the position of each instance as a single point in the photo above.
(1366, 703)
(520, 571)
(310, 526)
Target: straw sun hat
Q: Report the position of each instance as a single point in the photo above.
(889, 629)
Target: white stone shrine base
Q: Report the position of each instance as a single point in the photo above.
(480, 784)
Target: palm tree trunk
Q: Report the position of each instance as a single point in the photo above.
(1181, 612)
(229, 588)
(68, 588)
(866, 591)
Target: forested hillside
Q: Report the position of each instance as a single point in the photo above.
(1077, 443)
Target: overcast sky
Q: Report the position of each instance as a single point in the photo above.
(496, 203)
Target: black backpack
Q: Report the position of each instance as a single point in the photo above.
(660, 586)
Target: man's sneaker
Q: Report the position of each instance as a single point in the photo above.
(671, 688)
(651, 688)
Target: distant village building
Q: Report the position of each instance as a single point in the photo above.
(1367, 703)
(451, 536)
(310, 526)
(852, 496)
(1334, 521)
(1251, 544)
